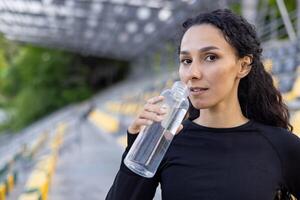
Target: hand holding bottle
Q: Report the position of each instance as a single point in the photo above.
(151, 112)
(159, 127)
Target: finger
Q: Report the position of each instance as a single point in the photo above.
(179, 129)
(151, 116)
(155, 108)
(155, 100)
(137, 125)
(143, 122)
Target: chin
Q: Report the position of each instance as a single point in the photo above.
(200, 105)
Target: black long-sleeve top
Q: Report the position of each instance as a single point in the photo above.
(250, 162)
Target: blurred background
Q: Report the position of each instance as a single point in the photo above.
(74, 73)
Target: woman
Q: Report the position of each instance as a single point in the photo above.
(239, 146)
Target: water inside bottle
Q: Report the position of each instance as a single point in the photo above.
(158, 139)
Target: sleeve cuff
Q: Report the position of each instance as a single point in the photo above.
(130, 139)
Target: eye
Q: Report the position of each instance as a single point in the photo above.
(186, 61)
(211, 58)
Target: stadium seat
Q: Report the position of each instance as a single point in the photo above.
(285, 83)
(276, 66)
(298, 70)
(289, 65)
(282, 52)
(268, 54)
(294, 93)
(292, 49)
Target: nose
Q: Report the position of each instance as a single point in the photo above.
(194, 71)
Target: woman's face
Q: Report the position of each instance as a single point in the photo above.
(209, 66)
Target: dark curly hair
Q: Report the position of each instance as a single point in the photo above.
(258, 97)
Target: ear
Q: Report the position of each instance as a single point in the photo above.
(244, 66)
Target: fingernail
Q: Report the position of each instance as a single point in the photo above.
(163, 110)
(149, 122)
(160, 118)
(164, 106)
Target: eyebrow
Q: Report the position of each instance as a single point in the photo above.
(204, 49)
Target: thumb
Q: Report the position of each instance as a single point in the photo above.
(179, 129)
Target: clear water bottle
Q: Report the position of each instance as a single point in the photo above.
(153, 141)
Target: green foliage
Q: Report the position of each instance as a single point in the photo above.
(3, 62)
(7, 48)
(37, 81)
(40, 81)
(236, 7)
(157, 62)
(290, 4)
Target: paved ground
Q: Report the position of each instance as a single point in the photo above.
(87, 165)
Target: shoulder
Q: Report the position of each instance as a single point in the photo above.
(287, 146)
(277, 134)
(286, 143)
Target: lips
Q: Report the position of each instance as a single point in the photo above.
(197, 90)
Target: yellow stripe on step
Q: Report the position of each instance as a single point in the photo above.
(122, 140)
(295, 121)
(2, 191)
(38, 180)
(104, 121)
(10, 180)
(30, 196)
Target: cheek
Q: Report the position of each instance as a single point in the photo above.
(182, 75)
(223, 81)
(219, 78)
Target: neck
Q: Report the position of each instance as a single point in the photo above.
(225, 114)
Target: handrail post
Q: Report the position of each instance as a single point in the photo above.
(286, 19)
